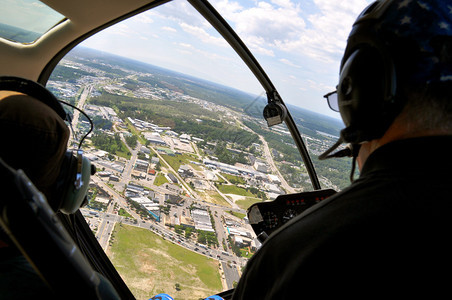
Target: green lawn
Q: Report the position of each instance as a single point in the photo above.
(234, 179)
(122, 212)
(160, 179)
(124, 152)
(247, 202)
(237, 214)
(150, 265)
(232, 189)
(179, 159)
(214, 197)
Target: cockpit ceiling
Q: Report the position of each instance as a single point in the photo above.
(95, 11)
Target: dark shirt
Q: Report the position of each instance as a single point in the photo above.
(387, 234)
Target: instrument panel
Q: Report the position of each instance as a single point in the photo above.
(266, 217)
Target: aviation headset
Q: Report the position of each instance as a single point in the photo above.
(367, 89)
(393, 44)
(73, 181)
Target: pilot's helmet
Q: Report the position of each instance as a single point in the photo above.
(392, 44)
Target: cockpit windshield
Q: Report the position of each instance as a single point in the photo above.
(180, 144)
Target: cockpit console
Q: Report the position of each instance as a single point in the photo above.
(266, 217)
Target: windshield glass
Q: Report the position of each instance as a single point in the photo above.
(181, 147)
(24, 21)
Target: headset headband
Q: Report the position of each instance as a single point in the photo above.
(29, 87)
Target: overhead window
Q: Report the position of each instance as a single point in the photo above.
(24, 21)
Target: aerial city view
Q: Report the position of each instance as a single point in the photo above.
(179, 160)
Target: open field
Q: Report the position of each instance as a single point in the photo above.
(214, 197)
(232, 189)
(179, 159)
(247, 202)
(160, 179)
(150, 265)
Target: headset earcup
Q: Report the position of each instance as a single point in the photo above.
(73, 197)
(362, 95)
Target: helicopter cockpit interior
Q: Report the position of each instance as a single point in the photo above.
(174, 161)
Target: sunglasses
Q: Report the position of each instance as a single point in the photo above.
(332, 100)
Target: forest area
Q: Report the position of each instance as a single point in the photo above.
(182, 117)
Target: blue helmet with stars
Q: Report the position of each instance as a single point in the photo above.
(392, 44)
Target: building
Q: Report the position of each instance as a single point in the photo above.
(173, 199)
(145, 150)
(195, 139)
(185, 171)
(274, 179)
(185, 137)
(272, 188)
(202, 220)
(103, 174)
(152, 207)
(165, 151)
(114, 178)
(141, 165)
(172, 178)
(172, 188)
(171, 133)
(260, 167)
(241, 241)
(154, 138)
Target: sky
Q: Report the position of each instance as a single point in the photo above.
(299, 44)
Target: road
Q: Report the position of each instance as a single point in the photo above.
(81, 103)
(271, 163)
(185, 186)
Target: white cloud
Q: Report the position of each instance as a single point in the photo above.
(284, 3)
(203, 35)
(265, 21)
(289, 63)
(288, 26)
(121, 29)
(167, 28)
(143, 18)
(185, 45)
(319, 86)
(180, 12)
(184, 52)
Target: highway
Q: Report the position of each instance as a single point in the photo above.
(271, 163)
(81, 103)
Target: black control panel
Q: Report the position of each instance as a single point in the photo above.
(266, 217)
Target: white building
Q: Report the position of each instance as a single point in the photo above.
(274, 179)
(261, 167)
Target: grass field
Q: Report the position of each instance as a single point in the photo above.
(179, 159)
(247, 202)
(150, 265)
(234, 179)
(237, 214)
(160, 179)
(232, 189)
(214, 197)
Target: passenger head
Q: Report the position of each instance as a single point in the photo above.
(34, 139)
(398, 59)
